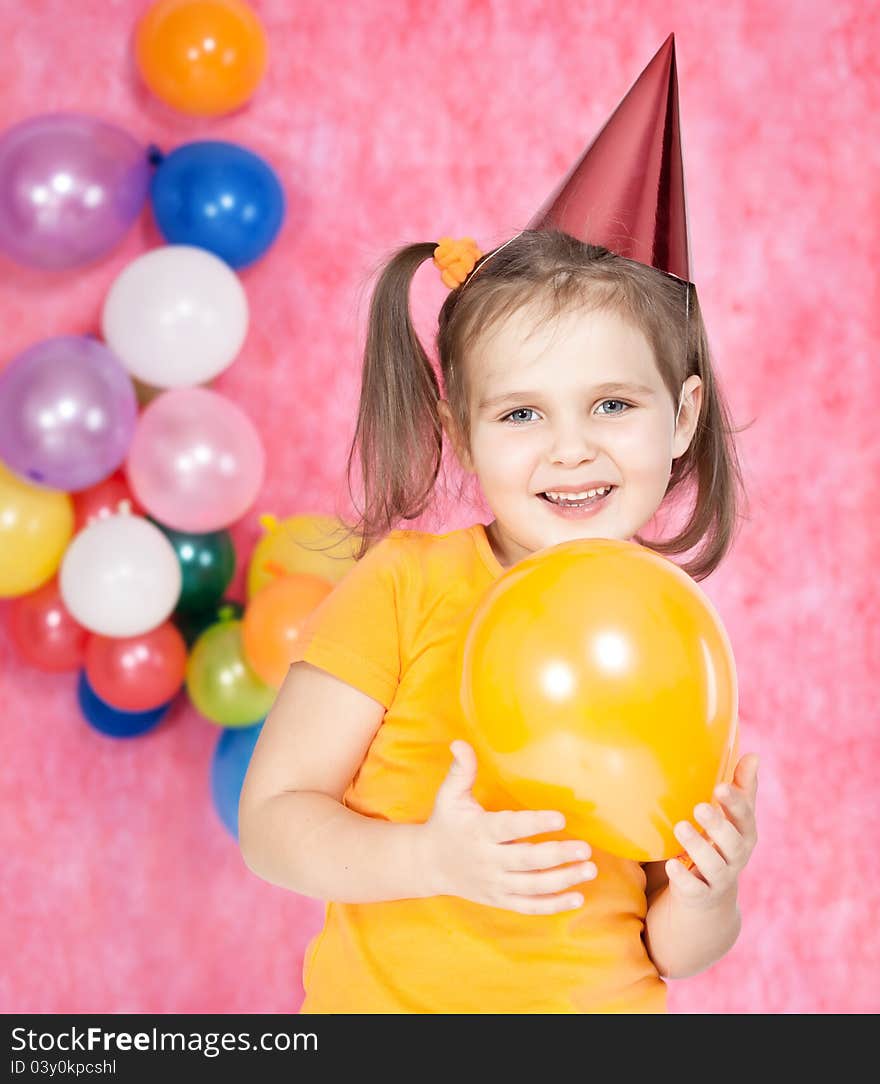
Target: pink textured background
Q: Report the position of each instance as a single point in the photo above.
(392, 122)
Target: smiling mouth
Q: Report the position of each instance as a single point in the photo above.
(585, 503)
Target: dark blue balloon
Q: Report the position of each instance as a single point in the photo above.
(111, 721)
(229, 766)
(220, 197)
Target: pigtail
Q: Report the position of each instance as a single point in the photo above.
(710, 466)
(399, 437)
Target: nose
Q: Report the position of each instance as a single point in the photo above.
(571, 443)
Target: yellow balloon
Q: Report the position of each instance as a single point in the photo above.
(598, 679)
(35, 526)
(318, 545)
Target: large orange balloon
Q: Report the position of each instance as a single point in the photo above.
(597, 679)
(274, 619)
(203, 57)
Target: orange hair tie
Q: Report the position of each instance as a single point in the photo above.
(456, 259)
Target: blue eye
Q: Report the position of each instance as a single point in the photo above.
(529, 410)
(520, 410)
(619, 401)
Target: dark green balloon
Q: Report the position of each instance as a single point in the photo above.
(194, 624)
(207, 562)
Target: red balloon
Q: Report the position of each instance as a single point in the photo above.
(103, 499)
(137, 673)
(44, 632)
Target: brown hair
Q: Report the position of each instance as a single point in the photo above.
(399, 435)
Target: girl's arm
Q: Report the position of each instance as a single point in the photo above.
(693, 919)
(683, 940)
(295, 832)
(293, 829)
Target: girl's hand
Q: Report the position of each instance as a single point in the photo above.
(733, 831)
(471, 853)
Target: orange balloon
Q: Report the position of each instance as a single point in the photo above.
(274, 619)
(597, 679)
(204, 57)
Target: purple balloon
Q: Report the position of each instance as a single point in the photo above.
(70, 187)
(68, 411)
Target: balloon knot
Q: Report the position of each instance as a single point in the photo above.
(154, 155)
(268, 522)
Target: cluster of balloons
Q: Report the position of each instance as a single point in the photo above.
(72, 185)
(120, 472)
(596, 678)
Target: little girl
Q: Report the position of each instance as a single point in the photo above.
(580, 394)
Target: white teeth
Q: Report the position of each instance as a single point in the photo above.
(586, 495)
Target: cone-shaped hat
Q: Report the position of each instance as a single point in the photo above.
(626, 192)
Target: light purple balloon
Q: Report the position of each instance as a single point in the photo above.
(70, 187)
(68, 412)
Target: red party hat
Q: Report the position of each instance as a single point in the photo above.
(626, 192)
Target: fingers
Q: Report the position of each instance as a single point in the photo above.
(685, 882)
(464, 755)
(721, 831)
(541, 905)
(528, 856)
(739, 808)
(746, 775)
(535, 876)
(709, 862)
(463, 770)
(557, 880)
(512, 824)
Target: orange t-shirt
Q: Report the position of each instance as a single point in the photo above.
(392, 628)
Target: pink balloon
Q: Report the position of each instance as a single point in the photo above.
(196, 461)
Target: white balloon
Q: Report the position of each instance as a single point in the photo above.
(176, 316)
(120, 576)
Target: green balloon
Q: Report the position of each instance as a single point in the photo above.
(207, 562)
(221, 684)
(192, 625)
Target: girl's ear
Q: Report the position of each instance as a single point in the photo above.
(450, 428)
(690, 413)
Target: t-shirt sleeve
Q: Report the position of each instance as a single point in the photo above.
(353, 633)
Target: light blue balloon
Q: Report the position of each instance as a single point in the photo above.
(217, 196)
(229, 766)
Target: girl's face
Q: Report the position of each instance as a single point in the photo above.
(544, 417)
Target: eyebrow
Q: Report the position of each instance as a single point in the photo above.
(599, 389)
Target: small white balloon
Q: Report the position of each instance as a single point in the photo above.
(120, 576)
(176, 316)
